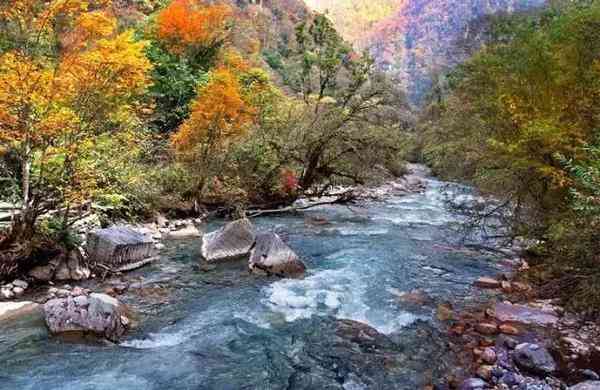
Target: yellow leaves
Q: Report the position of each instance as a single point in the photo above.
(115, 67)
(219, 115)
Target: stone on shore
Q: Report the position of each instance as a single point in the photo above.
(119, 246)
(100, 314)
(534, 358)
(271, 256)
(473, 384)
(489, 283)
(505, 312)
(233, 241)
(12, 310)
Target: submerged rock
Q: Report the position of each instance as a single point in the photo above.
(271, 256)
(12, 310)
(119, 247)
(232, 241)
(534, 358)
(100, 314)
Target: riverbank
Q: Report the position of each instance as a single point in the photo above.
(516, 341)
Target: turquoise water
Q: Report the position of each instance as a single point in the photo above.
(226, 329)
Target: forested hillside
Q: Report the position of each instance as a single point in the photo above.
(520, 120)
(414, 41)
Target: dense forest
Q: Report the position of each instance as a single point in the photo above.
(126, 109)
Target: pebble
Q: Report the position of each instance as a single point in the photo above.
(489, 356)
(18, 291)
(485, 372)
(20, 283)
(486, 328)
(508, 329)
(485, 282)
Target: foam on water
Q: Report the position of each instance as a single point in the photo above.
(340, 293)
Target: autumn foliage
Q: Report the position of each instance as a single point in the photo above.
(219, 114)
(186, 24)
(69, 77)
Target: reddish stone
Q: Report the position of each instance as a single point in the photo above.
(487, 328)
(485, 282)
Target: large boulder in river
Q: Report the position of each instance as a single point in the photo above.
(99, 314)
(120, 247)
(232, 241)
(271, 256)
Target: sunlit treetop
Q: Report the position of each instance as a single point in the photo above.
(188, 24)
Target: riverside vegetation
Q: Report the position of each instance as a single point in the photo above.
(108, 110)
(520, 120)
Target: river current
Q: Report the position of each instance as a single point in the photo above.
(343, 326)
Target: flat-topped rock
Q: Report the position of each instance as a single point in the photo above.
(232, 241)
(506, 312)
(100, 314)
(271, 256)
(119, 246)
(12, 310)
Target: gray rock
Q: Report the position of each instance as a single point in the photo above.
(18, 291)
(473, 384)
(534, 358)
(233, 241)
(97, 313)
(505, 312)
(588, 385)
(119, 246)
(6, 293)
(45, 273)
(271, 256)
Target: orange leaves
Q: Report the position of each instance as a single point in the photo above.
(186, 24)
(219, 115)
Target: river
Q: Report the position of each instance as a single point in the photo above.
(343, 326)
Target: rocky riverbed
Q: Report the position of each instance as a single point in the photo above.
(385, 283)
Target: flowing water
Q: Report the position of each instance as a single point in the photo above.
(343, 326)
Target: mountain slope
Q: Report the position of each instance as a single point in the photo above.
(420, 38)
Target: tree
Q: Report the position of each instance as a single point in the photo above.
(193, 28)
(220, 115)
(335, 134)
(67, 77)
